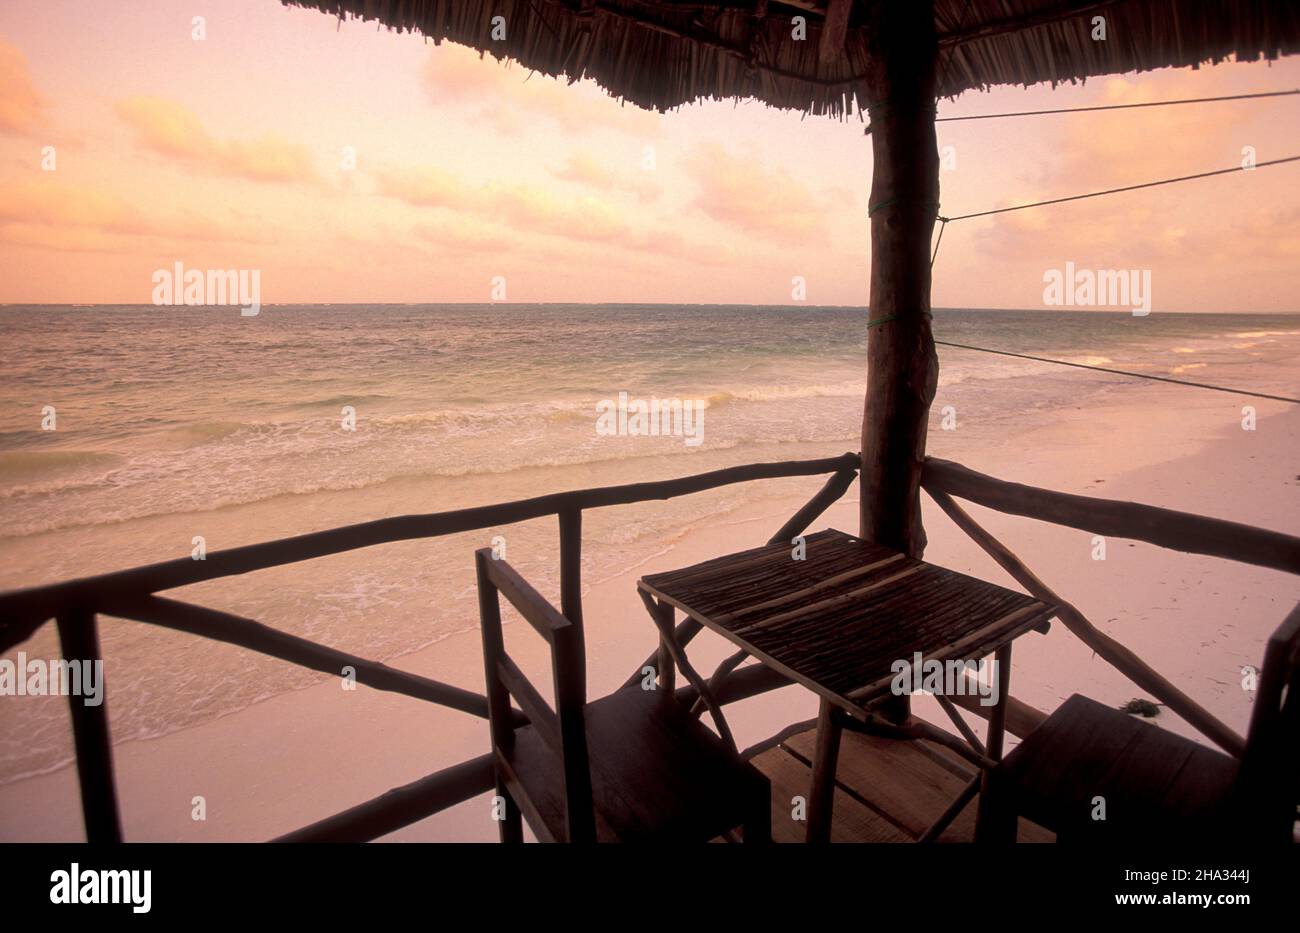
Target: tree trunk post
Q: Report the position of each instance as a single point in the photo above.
(902, 367)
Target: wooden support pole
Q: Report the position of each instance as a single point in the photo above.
(79, 640)
(571, 565)
(995, 820)
(902, 367)
(998, 718)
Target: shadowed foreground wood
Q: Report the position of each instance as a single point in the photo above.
(1154, 784)
(79, 637)
(128, 594)
(1123, 659)
(886, 790)
(631, 766)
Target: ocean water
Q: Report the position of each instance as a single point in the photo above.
(172, 423)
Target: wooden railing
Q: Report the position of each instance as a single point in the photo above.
(1180, 531)
(131, 594)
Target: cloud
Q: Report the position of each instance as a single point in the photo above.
(463, 236)
(21, 107)
(423, 187)
(1240, 257)
(522, 208)
(75, 217)
(741, 192)
(1109, 148)
(1237, 228)
(168, 129)
(517, 206)
(583, 169)
(1230, 222)
(511, 97)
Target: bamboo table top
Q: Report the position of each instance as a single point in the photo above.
(838, 620)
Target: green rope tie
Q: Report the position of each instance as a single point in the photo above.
(881, 107)
(872, 208)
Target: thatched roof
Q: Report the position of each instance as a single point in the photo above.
(660, 55)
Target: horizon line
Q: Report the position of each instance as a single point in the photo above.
(593, 304)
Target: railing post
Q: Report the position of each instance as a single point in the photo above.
(571, 565)
(79, 641)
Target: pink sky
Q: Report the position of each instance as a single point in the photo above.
(228, 153)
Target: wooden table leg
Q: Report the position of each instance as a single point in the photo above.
(667, 672)
(670, 651)
(822, 795)
(998, 717)
(996, 819)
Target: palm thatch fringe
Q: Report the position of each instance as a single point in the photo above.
(660, 55)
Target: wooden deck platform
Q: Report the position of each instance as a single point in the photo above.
(887, 790)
